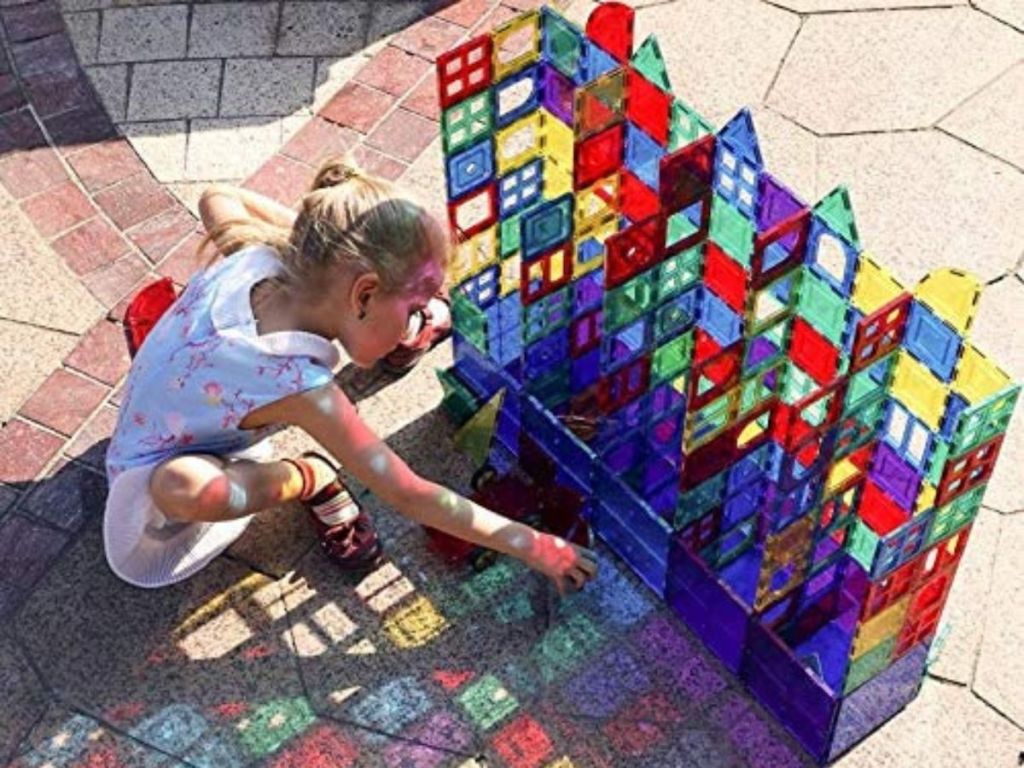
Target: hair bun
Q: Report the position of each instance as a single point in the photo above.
(334, 172)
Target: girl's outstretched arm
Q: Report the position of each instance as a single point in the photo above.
(329, 417)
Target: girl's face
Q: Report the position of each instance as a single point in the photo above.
(379, 319)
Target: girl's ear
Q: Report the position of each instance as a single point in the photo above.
(364, 289)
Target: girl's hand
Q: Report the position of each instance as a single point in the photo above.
(568, 565)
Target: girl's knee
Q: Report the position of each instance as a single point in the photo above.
(188, 488)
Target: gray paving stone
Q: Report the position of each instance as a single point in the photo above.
(999, 679)
(728, 64)
(161, 145)
(232, 29)
(28, 354)
(390, 17)
(425, 179)
(35, 286)
(230, 148)
(73, 6)
(28, 549)
(1010, 11)
(955, 650)
(63, 737)
(944, 727)
(992, 118)
(173, 664)
(322, 29)
(25, 699)
(277, 86)
(144, 34)
(1001, 308)
(912, 223)
(84, 30)
(190, 192)
(819, 6)
(876, 71)
(110, 81)
(173, 89)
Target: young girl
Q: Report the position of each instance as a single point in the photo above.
(247, 350)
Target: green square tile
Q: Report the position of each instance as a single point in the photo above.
(487, 702)
(822, 307)
(732, 231)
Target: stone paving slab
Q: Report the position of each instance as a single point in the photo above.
(890, 70)
(25, 698)
(167, 665)
(1000, 672)
(913, 223)
(1007, 11)
(992, 119)
(22, 373)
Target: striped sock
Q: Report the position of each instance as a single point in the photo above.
(323, 492)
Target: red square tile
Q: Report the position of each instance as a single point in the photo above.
(31, 171)
(105, 163)
(90, 246)
(393, 70)
(113, 282)
(377, 163)
(466, 13)
(325, 746)
(101, 353)
(523, 743)
(89, 445)
(403, 135)
(424, 100)
(282, 179)
(64, 401)
(135, 200)
(155, 237)
(358, 106)
(429, 37)
(24, 450)
(318, 140)
(58, 209)
(183, 261)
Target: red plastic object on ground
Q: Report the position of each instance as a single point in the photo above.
(145, 310)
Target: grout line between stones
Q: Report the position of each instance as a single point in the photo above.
(38, 326)
(974, 7)
(985, 612)
(873, 9)
(982, 150)
(782, 62)
(975, 92)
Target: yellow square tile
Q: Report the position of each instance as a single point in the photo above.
(873, 287)
(952, 294)
(596, 203)
(516, 44)
(919, 390)
(519, 142)
(977, 377)
(473, 256)
(511, 275)
(559, 141)
(880, 628)
(415, 624)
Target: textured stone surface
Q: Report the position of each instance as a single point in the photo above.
(110, 82)
(40, 291)
(161, 145)
(1000, 672)
(1008, 11)
(789, 151)
(322, 29)
(944, 727)
(818, 6)
(64, 401)
(27, 355)
(168, 90)
(877, 71)
(84, 30)
(171, 663)
(143, 34)
(991, 120)
(955, 652)
(25, 698)
(27, 551)
(914, 225)
(232, 29)
(230, 148)
(267, 87)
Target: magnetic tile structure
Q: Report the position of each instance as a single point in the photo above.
(785, 443)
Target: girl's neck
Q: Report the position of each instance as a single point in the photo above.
(276, 308)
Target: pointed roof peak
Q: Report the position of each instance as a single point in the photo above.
(650, 63)
(836, 211)
(740, 134)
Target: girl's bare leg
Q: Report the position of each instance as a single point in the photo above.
(204, 488)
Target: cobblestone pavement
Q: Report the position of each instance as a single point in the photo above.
(114, 113)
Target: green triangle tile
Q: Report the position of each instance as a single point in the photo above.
(836, 211)
(651, 64)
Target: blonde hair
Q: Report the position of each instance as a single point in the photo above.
(347, 218)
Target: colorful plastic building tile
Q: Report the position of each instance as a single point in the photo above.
(465, 71)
